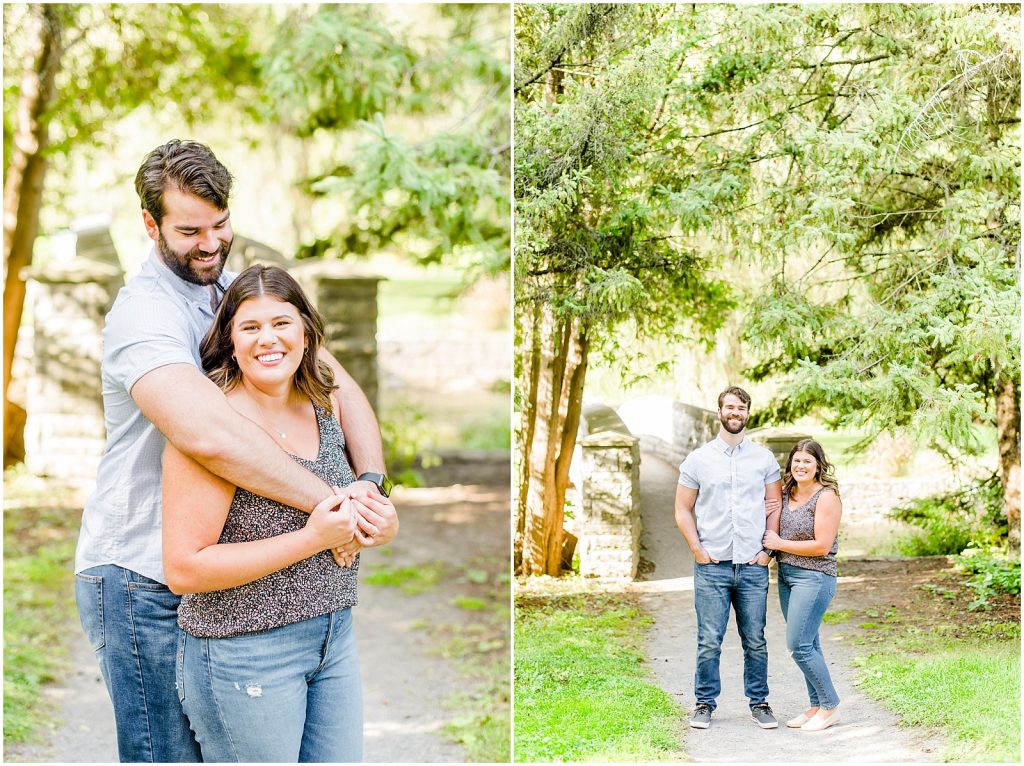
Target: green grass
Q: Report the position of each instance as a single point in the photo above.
(487, 431)
(430, 295)
(838, 617)
(483, 725)
(836, 445)
(39, 547)
(410, 580)
(469, 603)
(484, 735)
(581, 690)
(481, 649)
(968, 690)
(477, 420)
(477, 645)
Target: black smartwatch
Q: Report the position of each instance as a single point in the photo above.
(381, 480)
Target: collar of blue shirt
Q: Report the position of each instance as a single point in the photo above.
(720, 444)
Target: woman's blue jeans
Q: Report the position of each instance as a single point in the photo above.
(744, 588)
(804, 595)
(291, 694)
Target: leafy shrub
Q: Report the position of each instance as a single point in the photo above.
(968, 518)
(408, 445)
(486, 433)
(994, 572)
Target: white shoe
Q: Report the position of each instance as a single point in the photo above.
(796, 723)
(817, 724)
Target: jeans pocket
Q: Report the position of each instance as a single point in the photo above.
(756, 572)
(151, 586)
(89, 598)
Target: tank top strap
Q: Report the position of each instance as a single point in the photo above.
(809, 503)
(812, 502)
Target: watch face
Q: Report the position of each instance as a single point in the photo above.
(381, 480)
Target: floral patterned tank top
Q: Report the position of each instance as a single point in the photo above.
(798, 524)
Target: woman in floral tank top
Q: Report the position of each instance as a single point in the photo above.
(267, 668)
(806, 547)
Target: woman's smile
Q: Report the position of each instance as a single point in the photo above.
(270, 359)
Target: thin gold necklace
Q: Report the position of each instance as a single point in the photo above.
(273, 427)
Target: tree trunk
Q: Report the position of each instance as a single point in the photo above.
(1008, 430)
(23, 188)
(559, 402)
(530, 341)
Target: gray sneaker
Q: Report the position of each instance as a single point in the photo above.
(762, 715)
(701, 717)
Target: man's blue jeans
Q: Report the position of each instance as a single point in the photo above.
(804, 595)
(130, 621)
(288, 694)
(744, 588)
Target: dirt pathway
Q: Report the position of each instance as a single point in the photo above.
(407, 680)
(868, 733)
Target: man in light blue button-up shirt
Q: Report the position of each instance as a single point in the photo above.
(724, 490)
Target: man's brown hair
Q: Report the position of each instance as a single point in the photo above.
(187, 165)
(735, 391)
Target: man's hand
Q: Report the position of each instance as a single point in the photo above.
(701, 556)
(762, 559)
(358, 489)
(376, 520)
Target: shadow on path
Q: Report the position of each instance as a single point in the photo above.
(868, 733)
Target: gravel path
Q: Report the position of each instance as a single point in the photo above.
(868, 732)
(405, 679)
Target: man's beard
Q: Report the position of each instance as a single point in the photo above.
(724, 419)
(183, 266)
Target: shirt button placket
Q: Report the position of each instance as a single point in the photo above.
(732, 505)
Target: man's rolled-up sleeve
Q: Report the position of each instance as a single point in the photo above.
(142, 335)
(688, 473)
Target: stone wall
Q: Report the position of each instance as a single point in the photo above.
(445, 359)
(669, 429)
(778, 441)
(349, 307)
(609, 490)
(64, 431)
(868, 501)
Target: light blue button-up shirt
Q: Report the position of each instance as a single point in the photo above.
(730, 484)
(157, 319)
